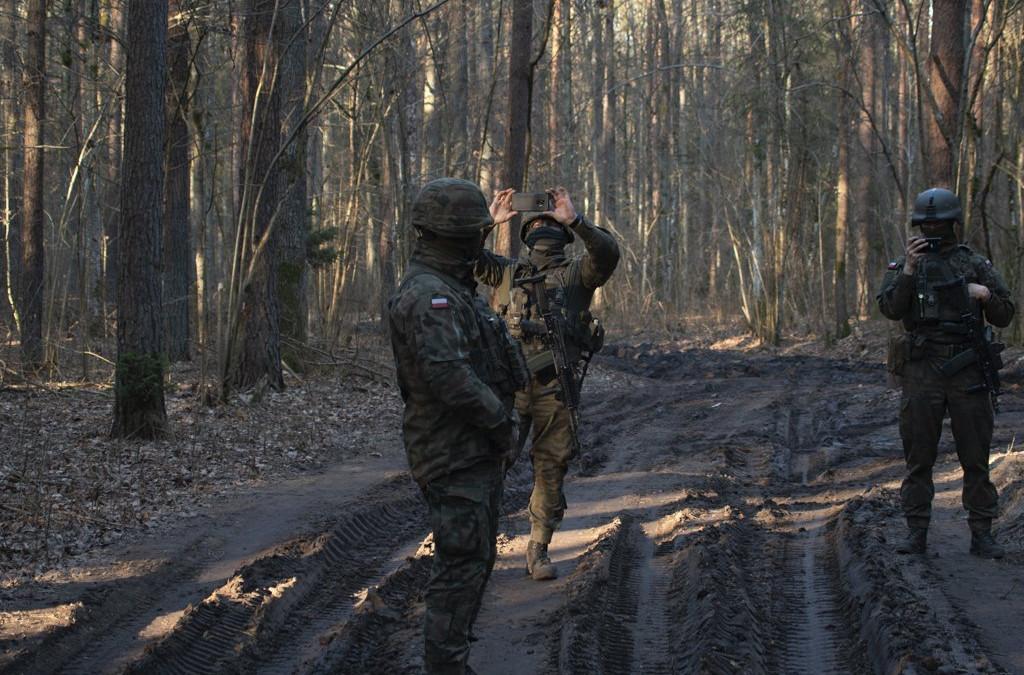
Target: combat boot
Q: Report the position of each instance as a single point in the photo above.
(538, 564)
(916, 541)
(984, 545)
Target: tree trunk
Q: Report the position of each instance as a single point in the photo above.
(847, 115)
(34, 190)
(139, 410)
(115, 131)
(945, 78)
(519, 93)
(608, 161)
(179, 270)
(255, 352)
(11, 168)
(292, 270)
(863, 219)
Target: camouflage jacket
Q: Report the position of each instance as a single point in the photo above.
(570, 284)
(455, 384)
(925, 312)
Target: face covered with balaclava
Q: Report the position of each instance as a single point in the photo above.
(945, 229)
(456, 255)
(546, 240)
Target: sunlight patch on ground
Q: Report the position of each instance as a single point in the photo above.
(34, 622)
(161, 625)
(87, 574)
(646, 495)
(735, 342)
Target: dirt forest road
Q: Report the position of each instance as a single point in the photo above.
(734, 512)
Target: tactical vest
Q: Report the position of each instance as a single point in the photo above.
(932, 309)
(567, 296)
(500, 360)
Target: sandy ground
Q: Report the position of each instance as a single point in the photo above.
(734, 512)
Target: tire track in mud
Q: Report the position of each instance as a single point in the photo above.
(755, 587)
(291, 596)
(326, 604)
(810, 631)
(596, 633)
(108, 617)
(375, 639)
(907, 623)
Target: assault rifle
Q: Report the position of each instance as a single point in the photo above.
(984, 350)
(567, 385)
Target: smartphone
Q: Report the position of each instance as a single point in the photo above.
(933, 244)
(532, 201)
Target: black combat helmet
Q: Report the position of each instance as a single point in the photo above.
(528, 217)
(936, 204)
(452, 208)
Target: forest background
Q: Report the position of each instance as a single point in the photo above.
(229, 182)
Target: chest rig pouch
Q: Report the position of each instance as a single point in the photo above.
(932, 303)
(501, 359)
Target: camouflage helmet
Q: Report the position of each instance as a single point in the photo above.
(451, 208)
(936, 204)
(528, 217)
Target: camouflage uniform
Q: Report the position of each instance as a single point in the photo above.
(457, 379)
(570, 284)
(935, 334)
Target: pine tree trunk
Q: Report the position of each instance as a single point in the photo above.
(179, 270)
(255, 356)
(32, 289)
(139, 410)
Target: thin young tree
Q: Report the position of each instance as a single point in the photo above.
(115, 56)
(139, 410)
(10, 168)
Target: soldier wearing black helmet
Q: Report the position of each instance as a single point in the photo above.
(458, 371)
(569, 284)
(917, 290)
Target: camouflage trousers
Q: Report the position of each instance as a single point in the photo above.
(927, 397)
(546, 420)
(464, 517)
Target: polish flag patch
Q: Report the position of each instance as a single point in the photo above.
(439, 303)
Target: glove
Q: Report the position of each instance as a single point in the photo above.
(505, 438)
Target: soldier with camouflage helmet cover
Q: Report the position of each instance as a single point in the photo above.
(458, 371)
(943, 292)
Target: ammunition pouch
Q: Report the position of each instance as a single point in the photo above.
(898, 354)
(503, 363)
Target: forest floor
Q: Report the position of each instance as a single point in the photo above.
(734, 510)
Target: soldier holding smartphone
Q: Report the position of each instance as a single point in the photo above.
(934, 290)
(548, 224)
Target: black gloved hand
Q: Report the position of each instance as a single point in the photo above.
(505, 438)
